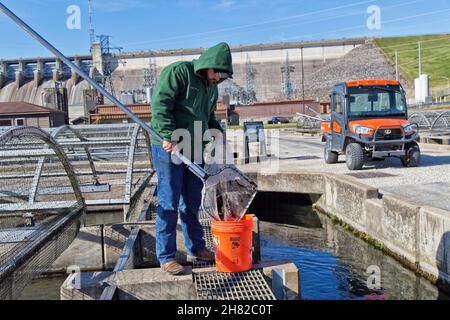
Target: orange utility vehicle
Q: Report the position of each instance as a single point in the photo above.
(369, 121)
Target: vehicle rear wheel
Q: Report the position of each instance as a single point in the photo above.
(330, 157)
(413, 156)
(354, 156)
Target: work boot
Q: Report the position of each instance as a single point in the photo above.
(203, 255)
(172, 267)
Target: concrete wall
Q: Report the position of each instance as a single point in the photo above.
(418, 236)
(128, 74)
(266, 63)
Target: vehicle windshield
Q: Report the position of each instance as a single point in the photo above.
(376, 101)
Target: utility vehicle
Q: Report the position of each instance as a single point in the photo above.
(369, 121)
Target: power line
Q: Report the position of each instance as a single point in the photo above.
(150, 79)
(250, 79)
(251, 25)
(344, 29)
(385, 22)
(287, 86)
(436, 56)
(106, 49)
(167, 40)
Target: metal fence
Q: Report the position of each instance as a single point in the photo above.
(113, 162)
(431, 120)
(49, 177)
(40, 206)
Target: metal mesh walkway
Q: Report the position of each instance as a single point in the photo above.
(16, 235)
(249, 285)
(213, 285)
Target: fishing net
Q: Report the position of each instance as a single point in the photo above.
(227, 192)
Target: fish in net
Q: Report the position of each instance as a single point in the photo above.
(227, 193)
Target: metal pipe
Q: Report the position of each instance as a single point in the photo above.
(448, 83)
(397, 75)
(195, 168)
(310, 117)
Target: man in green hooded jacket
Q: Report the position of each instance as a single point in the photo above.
(184, 99)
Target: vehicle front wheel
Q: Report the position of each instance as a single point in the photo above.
(330, 157)
(354, 156)
(413, 156)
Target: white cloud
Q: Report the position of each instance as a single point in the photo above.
(225, 3)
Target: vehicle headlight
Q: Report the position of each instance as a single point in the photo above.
(410, 128)
(362, 130)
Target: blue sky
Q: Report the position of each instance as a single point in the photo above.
(157, 24)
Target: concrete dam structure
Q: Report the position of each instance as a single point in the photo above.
(33, 79)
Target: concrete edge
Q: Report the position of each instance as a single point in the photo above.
(388, 221)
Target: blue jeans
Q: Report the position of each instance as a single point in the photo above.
(178, 190)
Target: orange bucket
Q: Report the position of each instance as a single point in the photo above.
(233, 244)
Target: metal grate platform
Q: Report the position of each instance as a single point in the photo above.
(249, 285)
(370, 175)
(202, 215)
(203, 264)
(207, 235)
(16, 235)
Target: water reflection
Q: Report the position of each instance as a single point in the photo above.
(333, 262)
(43, 289)
(108, 217)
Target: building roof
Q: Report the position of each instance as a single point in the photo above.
(142, 110)
(112, 112)
(22, 108)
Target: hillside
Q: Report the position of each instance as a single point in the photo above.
(435, 57)
(364, 62)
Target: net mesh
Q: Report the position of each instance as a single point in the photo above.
(40, 206)
(227, 192)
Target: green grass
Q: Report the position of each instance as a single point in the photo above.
(443, 107)
(269, 126)
(435, 57)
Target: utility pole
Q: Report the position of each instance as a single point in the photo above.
(250, 79)
(397, 76)
(303, 84)
(287, 87)
(91, 26)
(448, 84)
(420, 60)
(107, 63)
(150, 78)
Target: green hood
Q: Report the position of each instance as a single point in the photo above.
(217, 57)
